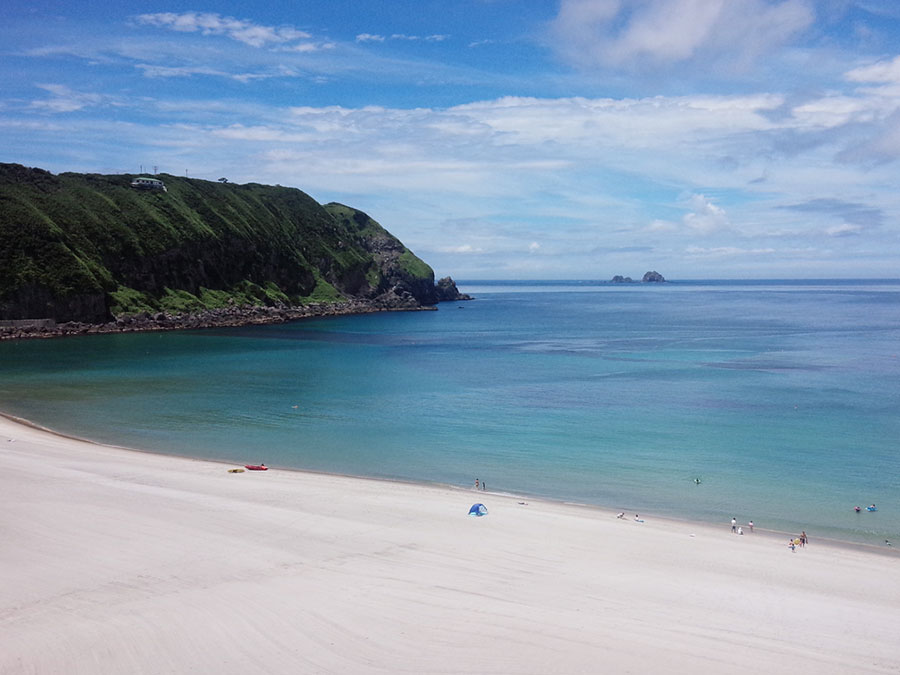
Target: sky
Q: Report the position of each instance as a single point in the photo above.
(498, 139)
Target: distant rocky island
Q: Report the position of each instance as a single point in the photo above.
(87, 253)
(649, 277)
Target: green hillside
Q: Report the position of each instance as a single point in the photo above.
(87, 247)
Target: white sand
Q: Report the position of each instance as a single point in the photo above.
(115, 561)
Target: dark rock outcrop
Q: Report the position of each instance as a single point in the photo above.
(619, 279)
(211, 318)
(653, 277)
(446, 291)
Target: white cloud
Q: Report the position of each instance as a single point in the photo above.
(63, 99)
(465, 249)
(662, 226)
(833, 111)
(308, 47)
(152, 70)
(706, 216)
(370, 37)
(844, 230)
(416, 38)
(534, 247)
(637, 123)
(263, 134)
(253, 34)
(616, 33)
(883, 71)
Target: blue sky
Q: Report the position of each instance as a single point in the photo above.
(499, 138)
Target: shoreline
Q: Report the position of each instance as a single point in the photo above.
(226, 317)
(123, 560)
(772, 534)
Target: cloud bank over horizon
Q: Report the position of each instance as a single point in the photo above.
(704, 139)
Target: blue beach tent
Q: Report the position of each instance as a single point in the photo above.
(478, 510)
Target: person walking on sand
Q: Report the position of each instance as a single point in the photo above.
(476, 483)
(750, 524)
(734, 524)
(803, 538)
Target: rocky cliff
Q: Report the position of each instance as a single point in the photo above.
(90, 248)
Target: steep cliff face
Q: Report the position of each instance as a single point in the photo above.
(85, 247)
(397, 273)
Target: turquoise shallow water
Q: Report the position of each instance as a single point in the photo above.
(783, 397)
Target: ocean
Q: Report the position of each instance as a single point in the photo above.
(781, 397)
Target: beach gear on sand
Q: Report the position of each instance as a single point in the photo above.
(478, 510)
(235, 471)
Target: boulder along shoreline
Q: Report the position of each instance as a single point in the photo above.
(208, 318)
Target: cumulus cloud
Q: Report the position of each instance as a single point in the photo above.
(369, 37)
(706, 217)
(616, 33)
(207, 23)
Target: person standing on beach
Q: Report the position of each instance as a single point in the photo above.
(476, 483)
(751, 526)
(803, 538)
(734, 524)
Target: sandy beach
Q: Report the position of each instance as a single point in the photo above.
(116, 561)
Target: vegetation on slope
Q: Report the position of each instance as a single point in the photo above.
(87, 246)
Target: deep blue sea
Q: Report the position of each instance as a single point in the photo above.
(783, 397)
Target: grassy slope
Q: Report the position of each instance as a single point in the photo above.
(396, 263)
(201, 244)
